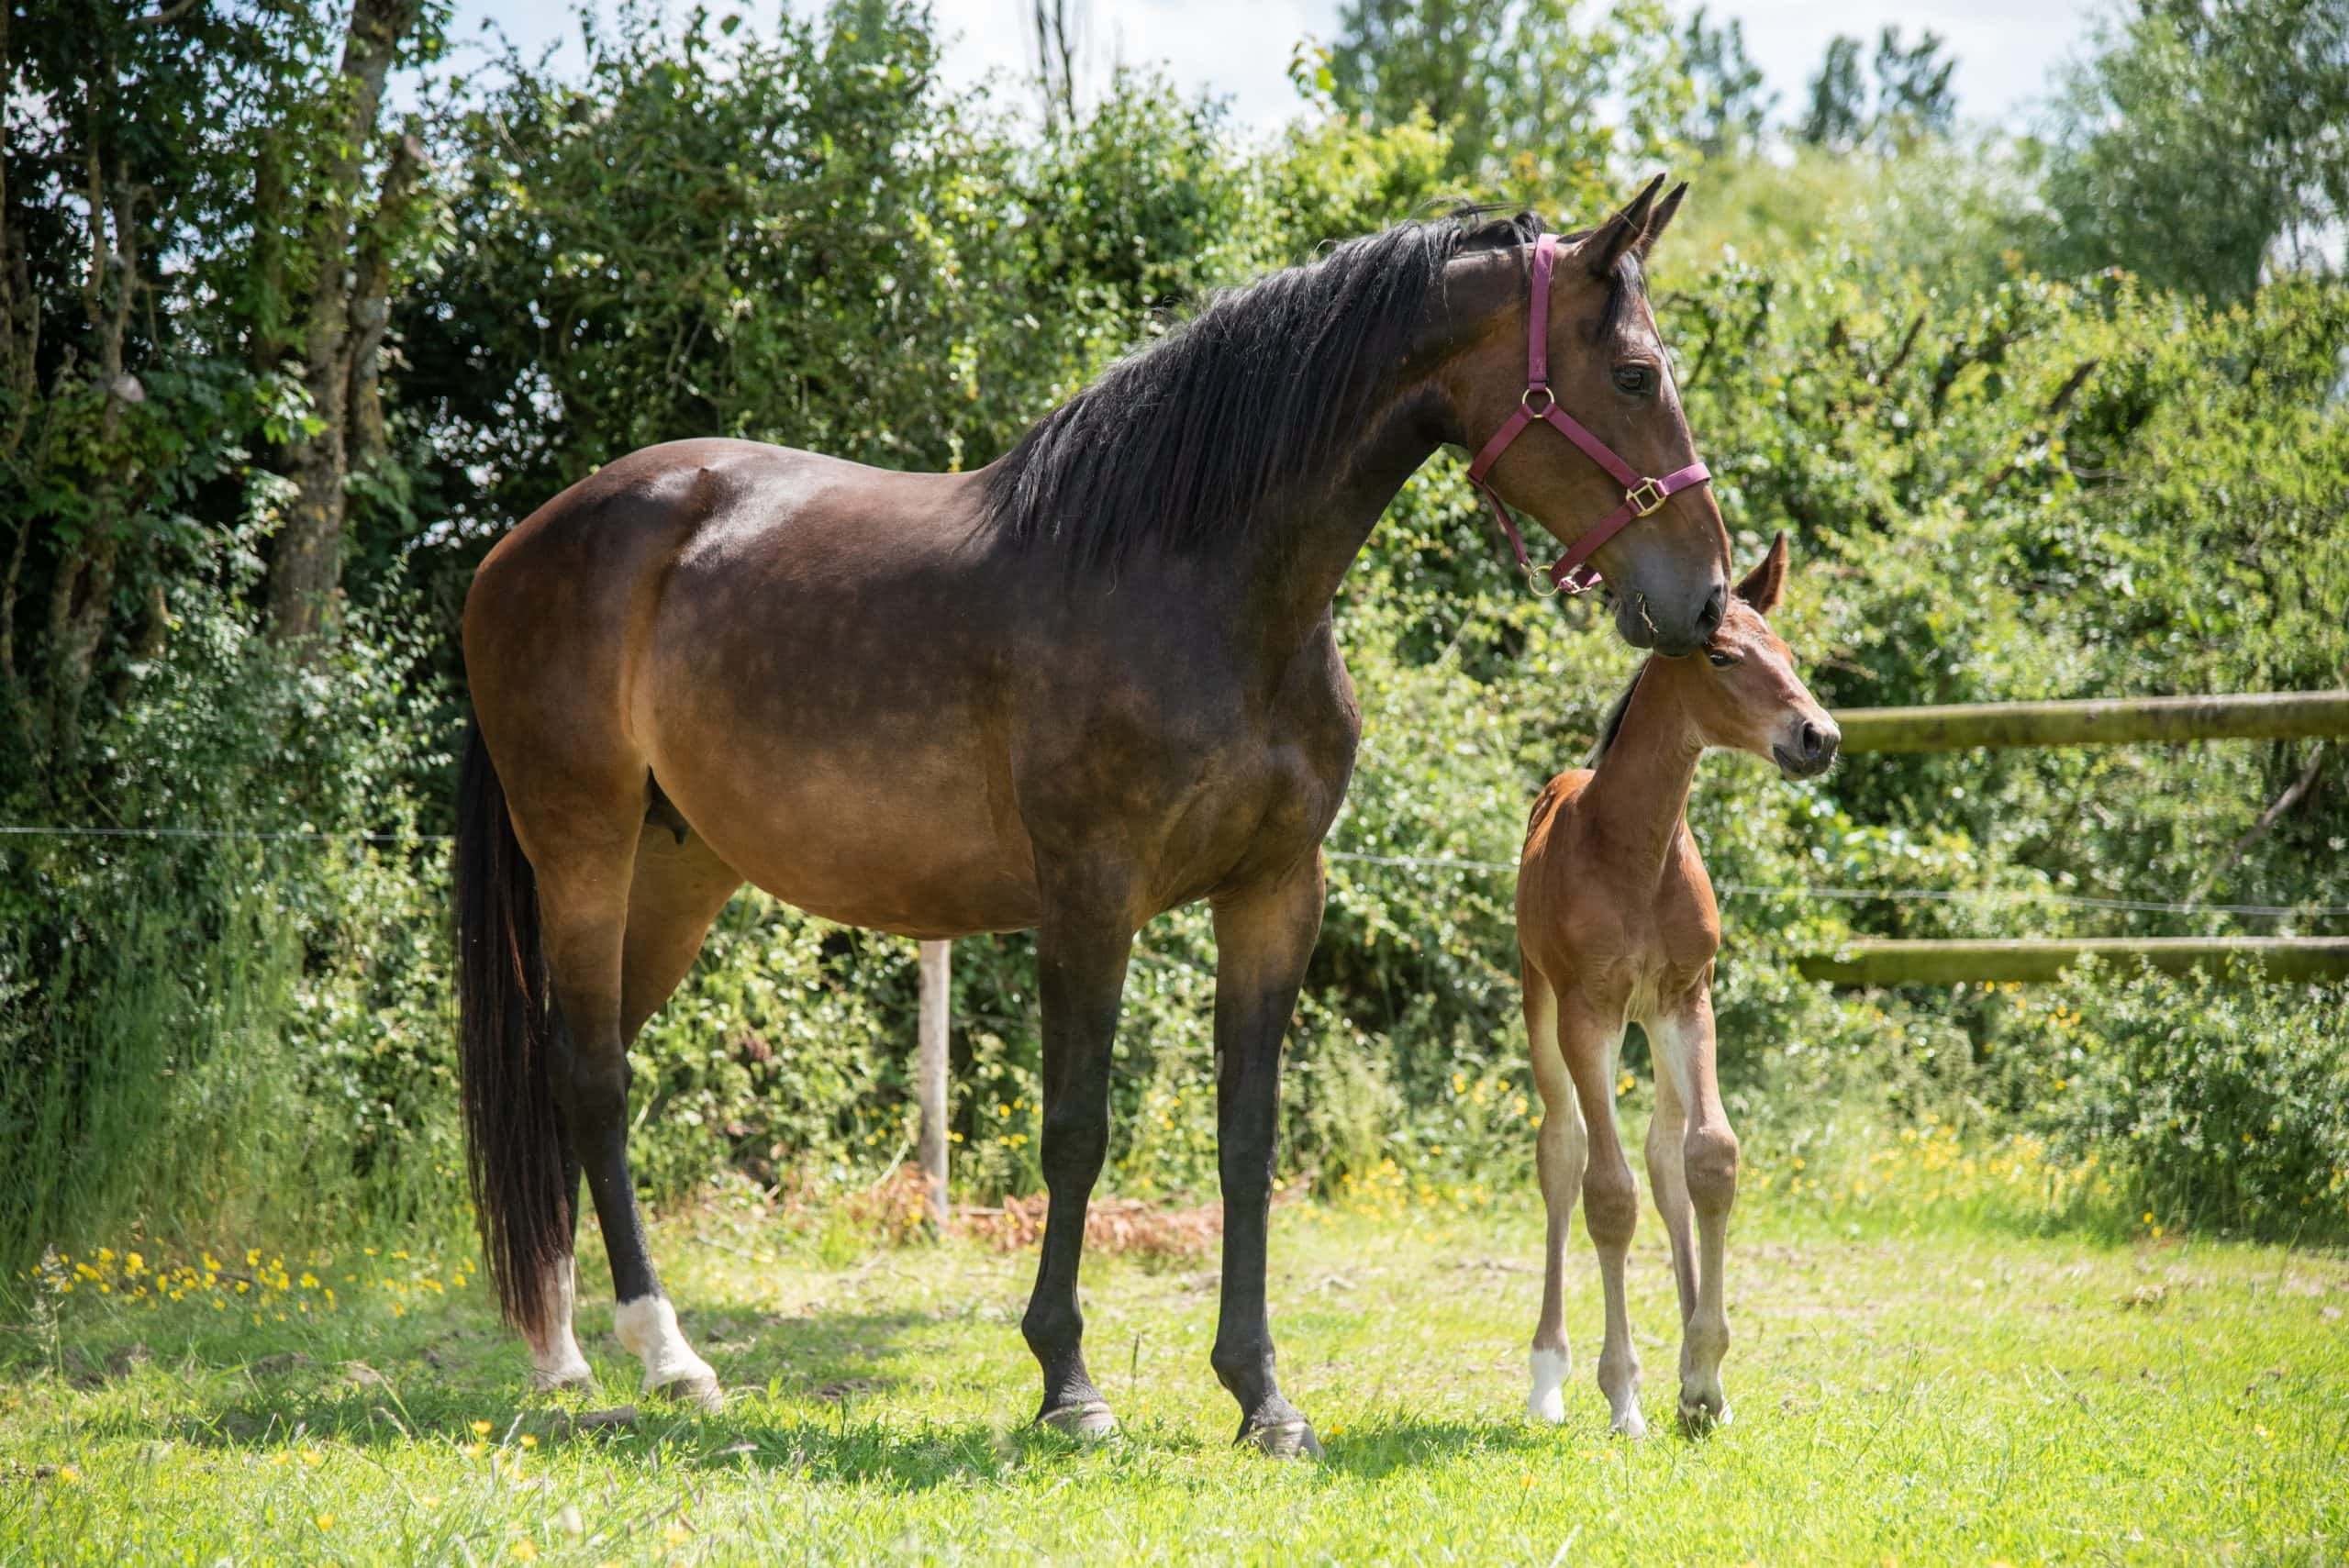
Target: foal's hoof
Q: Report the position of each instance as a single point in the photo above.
(696, 1391)
(1698, 1417)
(1286, 1438)
(1090, 1423)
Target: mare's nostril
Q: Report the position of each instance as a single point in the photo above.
(1814, 741)
(1715, 606)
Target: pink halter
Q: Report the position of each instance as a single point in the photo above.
(1642, 497)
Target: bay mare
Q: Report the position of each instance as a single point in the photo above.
(1088, 684)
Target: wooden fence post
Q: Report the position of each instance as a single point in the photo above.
(930, 1073)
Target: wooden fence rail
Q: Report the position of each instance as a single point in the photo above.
(2263, 716)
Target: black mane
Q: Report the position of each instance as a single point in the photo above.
(1181, 444)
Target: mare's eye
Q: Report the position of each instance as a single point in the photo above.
(1720, 658)
(1637, 380)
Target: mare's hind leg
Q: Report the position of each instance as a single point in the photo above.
(677, 888)
(584, 876)
(1560, 1151)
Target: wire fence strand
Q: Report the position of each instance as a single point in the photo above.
(1356, 857)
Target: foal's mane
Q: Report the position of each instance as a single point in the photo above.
(1612, 725)
(1181, 445)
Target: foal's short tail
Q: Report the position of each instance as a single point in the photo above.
(513, 1131)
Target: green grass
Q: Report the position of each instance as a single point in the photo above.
(1907, 1391)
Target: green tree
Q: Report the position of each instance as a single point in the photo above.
(1837, 112)
(1535, 93)
(2199, 143)
(1913, 98)
(1730, 106)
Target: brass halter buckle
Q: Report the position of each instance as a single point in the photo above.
(1646, 498)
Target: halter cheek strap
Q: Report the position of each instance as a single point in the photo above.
(1642, 497)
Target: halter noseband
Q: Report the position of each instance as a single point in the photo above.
(1642, 497)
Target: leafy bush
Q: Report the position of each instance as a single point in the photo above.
(2217, 1099)
(1999, 485)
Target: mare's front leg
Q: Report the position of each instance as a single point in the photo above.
(1082, 949)
(1705, 1162)
(1263, 937)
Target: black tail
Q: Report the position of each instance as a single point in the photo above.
(512, 1132)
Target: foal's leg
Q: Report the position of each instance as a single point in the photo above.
(1667, 1182)
(1709, 1163)
(1560, 1152)
(1611, 1198)
(1262, 939)
(1082, 949)
(583, 899)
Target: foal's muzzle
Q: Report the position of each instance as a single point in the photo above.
(1810, 751)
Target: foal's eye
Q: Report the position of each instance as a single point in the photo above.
(1637, 380)
(1720, 658)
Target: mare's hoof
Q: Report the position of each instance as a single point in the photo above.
(1290, 1439)
(696, 1391)
(1631, 1424)
(1092, 1421)
(1697, 1417)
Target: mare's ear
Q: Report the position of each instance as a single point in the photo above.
(1660, 221)
(1603, 246)
(1761, 586)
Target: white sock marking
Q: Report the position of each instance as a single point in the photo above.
(555, 1358)
(1547, 1402)
(648, 1330)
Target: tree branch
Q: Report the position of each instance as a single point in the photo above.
(2294, 793)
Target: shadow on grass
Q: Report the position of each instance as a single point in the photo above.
(439, 1379)
(1371, 1450)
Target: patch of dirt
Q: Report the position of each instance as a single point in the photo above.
(1111, 1224)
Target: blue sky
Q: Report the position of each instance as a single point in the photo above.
(1240, 47)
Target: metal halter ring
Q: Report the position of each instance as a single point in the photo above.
(1525, 401)
(1535, 578)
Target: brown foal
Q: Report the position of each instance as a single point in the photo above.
(1616, 925)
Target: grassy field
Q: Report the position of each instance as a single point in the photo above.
(1909, 1389)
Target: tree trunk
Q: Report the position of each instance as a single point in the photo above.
(308, 568)
(81, 596)
(371, 303)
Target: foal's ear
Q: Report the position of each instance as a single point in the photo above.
(1661, 220)
(1603, 246)
(1760, 587)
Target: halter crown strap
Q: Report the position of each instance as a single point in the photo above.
(1642, 497)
